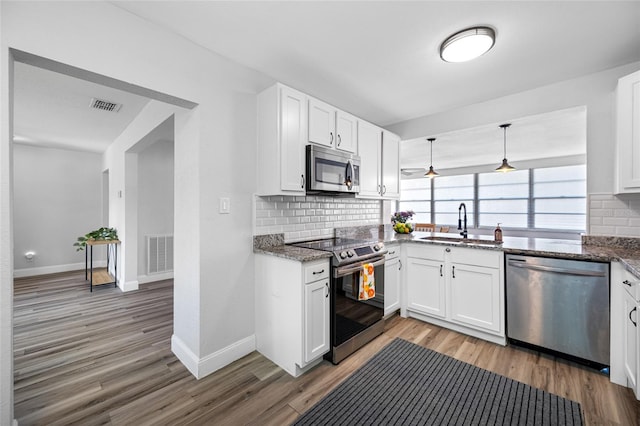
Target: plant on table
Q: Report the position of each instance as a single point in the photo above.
(101, 234)
(402, 222)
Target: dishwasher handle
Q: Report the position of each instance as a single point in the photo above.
(566, 271)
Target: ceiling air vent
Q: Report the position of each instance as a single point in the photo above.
(105, 105)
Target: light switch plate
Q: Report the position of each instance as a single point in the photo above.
(225, 205)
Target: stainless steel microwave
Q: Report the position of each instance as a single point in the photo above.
(332, 171)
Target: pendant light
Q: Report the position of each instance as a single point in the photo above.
(431, 173)
(467, 44)
(505, 167)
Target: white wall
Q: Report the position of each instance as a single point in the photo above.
(596, 91)
(155, 196)
(214, 259)
(57, 198)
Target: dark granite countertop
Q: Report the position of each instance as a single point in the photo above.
(628, 256)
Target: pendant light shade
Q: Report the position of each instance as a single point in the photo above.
(467, 44)
(505, 167)
(431, 173)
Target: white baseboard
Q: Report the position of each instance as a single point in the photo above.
(184, 354)
(204, 366)
(129, 285)
(43, 270)
(142, 279)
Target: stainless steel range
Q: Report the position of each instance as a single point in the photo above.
(353, 322)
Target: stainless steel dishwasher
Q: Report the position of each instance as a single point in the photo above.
(559, 304)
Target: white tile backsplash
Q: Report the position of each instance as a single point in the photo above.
(301, 218)
(614, 215)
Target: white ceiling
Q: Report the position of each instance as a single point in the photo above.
(551, 135)
(378, 60)
(53, 109)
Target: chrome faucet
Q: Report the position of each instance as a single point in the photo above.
(464, 230)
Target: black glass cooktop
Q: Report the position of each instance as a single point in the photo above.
(333, 244)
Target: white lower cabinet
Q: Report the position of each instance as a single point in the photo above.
(457, 288)
(392, 277)
(475, 295)
(426, 286)
(625, 288)
(316, 319)
(292, 311)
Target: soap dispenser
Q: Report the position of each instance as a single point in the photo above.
(497, 234)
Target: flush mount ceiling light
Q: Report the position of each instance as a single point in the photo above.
(431, 173)
(505, 167)
(467, 44)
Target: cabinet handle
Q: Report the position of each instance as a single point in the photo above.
(384, 189)
(379, 189)
(392, 253)
(448, 250)
(320, 272)
(440, 270)
(331, 139)
(626, 282)
(399, 265)
(327, 294)
(635, 324)
(339, 139)
(302, 181)
(453, 272)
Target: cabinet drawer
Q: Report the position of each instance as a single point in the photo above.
(478, 257)
(393, 251)
(631, 284)
(316, 271)
(432, 252)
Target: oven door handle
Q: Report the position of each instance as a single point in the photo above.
(346, 270)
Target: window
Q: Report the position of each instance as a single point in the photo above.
(545, 198)
(415, 194)
(448, 193)
(559, 197)
(504, 198)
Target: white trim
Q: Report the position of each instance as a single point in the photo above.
(184, 354)
(43, 270)
(128, 285)
(142, 279)
(226, 356)
(201, 367)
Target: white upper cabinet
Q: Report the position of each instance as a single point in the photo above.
(628, 134)
(347, 130)
(370, 152)
(379, 153)
(322, 123)
(390, 165)
(331, 127)
(282, 135)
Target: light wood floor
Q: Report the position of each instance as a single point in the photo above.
(104, 358)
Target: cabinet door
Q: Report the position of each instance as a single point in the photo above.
(392, 285)
(425, 286)
(369, 150)
(316, 319)
(293, 111)
(475, 296)
(347, 131)
(390, 165)
(322, 123)
(628, 133)
(631, 342)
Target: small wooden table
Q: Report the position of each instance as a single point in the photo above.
(102, 277)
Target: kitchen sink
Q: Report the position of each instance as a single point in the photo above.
(462, 241)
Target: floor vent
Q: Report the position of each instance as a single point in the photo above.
(159, 254)
(105, 105)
